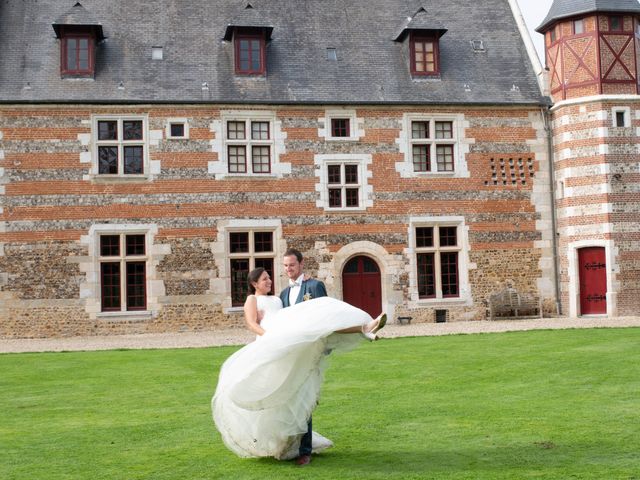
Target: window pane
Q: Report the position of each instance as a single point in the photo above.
(421, 158)
(620, 119)
(239, 286)
(448, 236)
(110, 286)
(444, 129)
(239, 242)
(449, 273)
(369, 266)
(340, 127)
(578, 26)
(424, 237)
(444, 158)
(261, 159)
(351, 174)
(132, 129)
(136, 291)
(351, 197)
(615, 23)
(351, 266)
(235, 131)
(255, 55)
(133, 160)
(419, 129)
(426, 275)
(109, 245)
(107, 160)
(83, 54)
(177, 129)
(260, 130)
(263, 241)
(335, 197)
(107, 130)
(72, 52)
(334, 174)
(237, 159)
(134, 245)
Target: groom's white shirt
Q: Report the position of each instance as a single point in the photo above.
(294, 291)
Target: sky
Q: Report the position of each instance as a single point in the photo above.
(534, 12)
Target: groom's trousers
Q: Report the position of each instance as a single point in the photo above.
(305, 441)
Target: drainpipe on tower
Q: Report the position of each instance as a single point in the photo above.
(546, 116)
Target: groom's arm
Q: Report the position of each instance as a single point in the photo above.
(321, 290)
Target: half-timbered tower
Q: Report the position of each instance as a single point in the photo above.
(592, 53)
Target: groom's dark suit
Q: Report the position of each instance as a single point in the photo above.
(314, 289)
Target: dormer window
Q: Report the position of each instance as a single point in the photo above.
(250, 33)
(424, 31)
(424, 55)
(249, 54)
(79, 33)
(77, 55)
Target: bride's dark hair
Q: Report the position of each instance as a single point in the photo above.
(253, 277)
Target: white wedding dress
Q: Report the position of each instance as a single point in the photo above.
(268, 389)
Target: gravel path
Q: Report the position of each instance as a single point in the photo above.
(239, 336)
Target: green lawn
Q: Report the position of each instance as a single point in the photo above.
(527, 405)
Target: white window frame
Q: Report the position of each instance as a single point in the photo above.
(355, 125)
(464, 292)
(248, 142)
(322, 162)
(174, 121)
(120, 144)
(460, 145)
(221, 249)
(95, 232)
(627, 116)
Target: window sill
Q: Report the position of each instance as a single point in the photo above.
(137, 315)
(441, 302)
(342, 139)
(118, 178)
(233, 310)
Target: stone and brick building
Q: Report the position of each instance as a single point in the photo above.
(151, 153)
(592, 53)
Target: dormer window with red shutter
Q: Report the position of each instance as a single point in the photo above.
(250, 34)
(79, 33)
(424, 32)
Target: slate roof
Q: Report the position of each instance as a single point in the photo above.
(569, 8)
(372, 67)
(78, 16)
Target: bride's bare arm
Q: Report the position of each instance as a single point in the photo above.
(251, 315)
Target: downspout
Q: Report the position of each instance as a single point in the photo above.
(546, 116)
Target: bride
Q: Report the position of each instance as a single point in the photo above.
(268, 389)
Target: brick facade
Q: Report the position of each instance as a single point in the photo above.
(54, 206)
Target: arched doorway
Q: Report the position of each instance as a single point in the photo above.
(593, 280)
(361, 284)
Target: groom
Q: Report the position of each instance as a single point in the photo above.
(298, 291)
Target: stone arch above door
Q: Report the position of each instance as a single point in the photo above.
(392, 267)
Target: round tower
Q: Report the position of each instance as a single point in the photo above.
(592, 52)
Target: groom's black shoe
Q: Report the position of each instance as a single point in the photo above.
(303, 460)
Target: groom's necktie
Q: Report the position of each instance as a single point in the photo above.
(294, 290)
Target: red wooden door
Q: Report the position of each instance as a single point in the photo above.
(593, 280)
(361, 285)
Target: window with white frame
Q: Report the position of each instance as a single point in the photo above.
(120, 145)
(122, 259)
(437, 250)
(621, 117)
(249, 145)
(432, 145)
(177, 128)
(248, 249)
(343, 181)
(340, 125)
